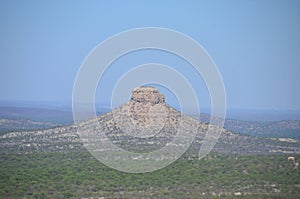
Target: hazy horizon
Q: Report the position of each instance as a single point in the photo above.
(239, 114)
(254, 44)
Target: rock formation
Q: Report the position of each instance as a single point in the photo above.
(147, 95)
(145, 123)
(146, 113)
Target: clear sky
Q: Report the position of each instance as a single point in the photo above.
(255, 45)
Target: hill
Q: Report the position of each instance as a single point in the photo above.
(55, 163)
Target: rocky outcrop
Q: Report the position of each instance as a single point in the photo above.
(147, 95)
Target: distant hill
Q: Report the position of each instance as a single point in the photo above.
(275, 129)
(23, 119)
(9, 125)
(30, 118)
(36, 114)
(287, 128)
(263, 115)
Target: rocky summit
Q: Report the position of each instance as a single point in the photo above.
(146, 111)
(146, 94)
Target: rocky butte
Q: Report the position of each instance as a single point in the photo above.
(146, 122)
(147, 95)
(146, 107)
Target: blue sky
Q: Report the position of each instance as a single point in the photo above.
(255, 45)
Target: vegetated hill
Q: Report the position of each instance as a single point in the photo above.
(288, 129)
(270, 129)
(26, 119)
(9, 125)
(263, 115)
(29, 118)
(53, 163)
(135, 116)
(37, 114)
(21, 118)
